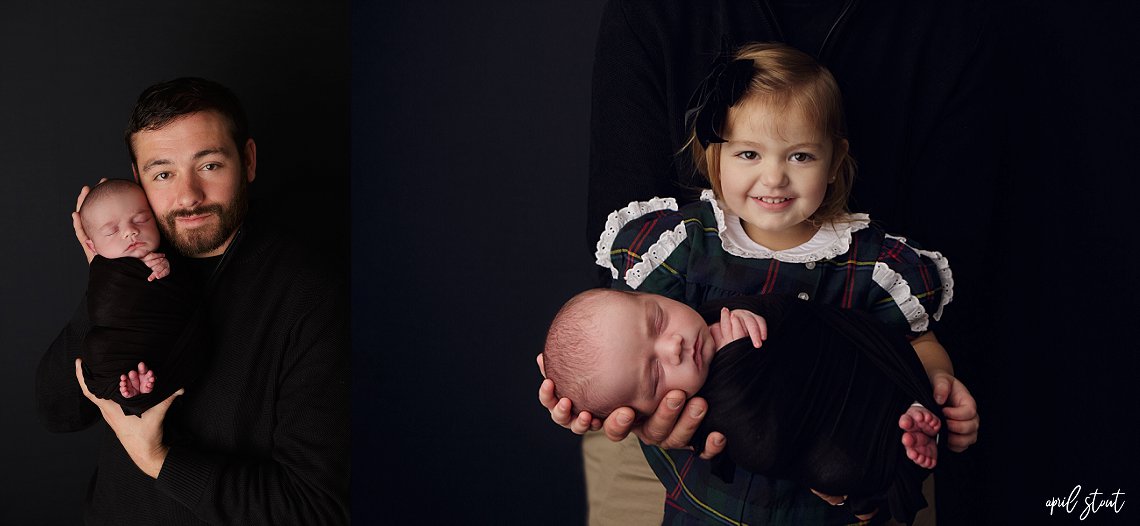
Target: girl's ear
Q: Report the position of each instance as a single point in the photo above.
(837, 158)
(90, 246)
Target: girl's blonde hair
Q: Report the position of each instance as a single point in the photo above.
(788, 79)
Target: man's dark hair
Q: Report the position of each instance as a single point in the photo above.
(164, 102)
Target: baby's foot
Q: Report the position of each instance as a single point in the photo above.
(135, 382)
(920, 428)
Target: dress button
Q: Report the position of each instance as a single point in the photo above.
(810, 265)
(802, 296)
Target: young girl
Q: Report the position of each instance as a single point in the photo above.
(767, 132)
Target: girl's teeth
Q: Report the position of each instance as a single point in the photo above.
(773, 200)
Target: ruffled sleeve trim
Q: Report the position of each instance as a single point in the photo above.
(944, 275)
(619, 218)
(831, 240)
(655, 255)
(899, 289)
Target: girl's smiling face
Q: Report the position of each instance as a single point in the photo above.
(775, 168)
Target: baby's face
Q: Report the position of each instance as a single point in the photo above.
(650, 346)
(122, 225)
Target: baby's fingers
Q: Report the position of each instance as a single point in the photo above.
(754, 325)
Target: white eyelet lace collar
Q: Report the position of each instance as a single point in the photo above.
(831, 240)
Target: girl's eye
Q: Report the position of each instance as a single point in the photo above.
(801, 157)
(748, 155)
(142, 218)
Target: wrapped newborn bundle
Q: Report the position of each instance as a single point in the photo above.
(134, 320)
(818, 403)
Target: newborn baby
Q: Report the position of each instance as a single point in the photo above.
(136, 319)
(802, 391)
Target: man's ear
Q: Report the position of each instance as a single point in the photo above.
(250, 160)
(135, 172)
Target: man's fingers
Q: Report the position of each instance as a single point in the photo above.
(962, 427)
(834, 500)
(662, 421)
(83, 195)
(682, 433)
(714, 445)
(560, 413)
(546, 395)
(619, 424)
(541, 365)
(941, 389)
(82, 382)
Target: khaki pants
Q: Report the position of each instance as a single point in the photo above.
(621, 489)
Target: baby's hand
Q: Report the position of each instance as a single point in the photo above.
(737, 324)
(159, 266)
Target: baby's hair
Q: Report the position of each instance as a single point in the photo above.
(572, 351)
(102, 191)
(788, 79)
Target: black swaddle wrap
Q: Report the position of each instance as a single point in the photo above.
(134, 320)
(818, 403)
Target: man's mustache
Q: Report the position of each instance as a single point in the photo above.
(188, 212)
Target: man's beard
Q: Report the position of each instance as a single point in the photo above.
(207, 238)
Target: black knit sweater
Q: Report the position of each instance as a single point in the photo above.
(263, 436)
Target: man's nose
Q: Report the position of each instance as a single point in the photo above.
(189, 192)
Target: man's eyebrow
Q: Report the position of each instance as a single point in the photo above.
(197, 155)
(209, 151)
(156, 162)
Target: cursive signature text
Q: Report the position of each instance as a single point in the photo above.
(1093, 502)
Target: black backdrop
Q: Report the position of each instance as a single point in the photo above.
(468, 136)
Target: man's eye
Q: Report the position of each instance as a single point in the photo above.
(211, 166)
(801, 157)
(161, 176)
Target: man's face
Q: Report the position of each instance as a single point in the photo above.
(195, 180)
(121, 226)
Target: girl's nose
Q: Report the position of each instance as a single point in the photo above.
(772, 174)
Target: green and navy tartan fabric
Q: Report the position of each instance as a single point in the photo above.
(697, 270)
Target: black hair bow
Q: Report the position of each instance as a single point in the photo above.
(720, 90)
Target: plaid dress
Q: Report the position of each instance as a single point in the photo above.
(699, 253)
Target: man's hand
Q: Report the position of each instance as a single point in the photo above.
(960, 410)
(737, 324)
(839, 500)
(671, 426)
(159, 265)
(80, 234)
(140, 436)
